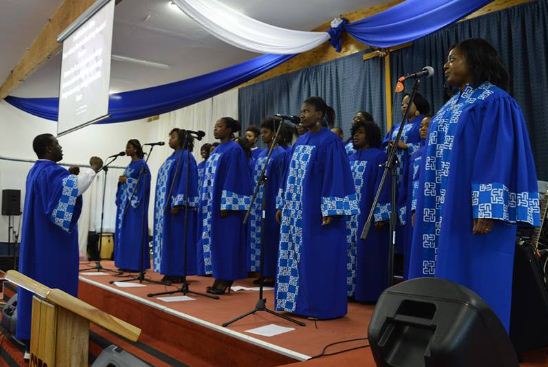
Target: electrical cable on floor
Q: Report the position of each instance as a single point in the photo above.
(322, 354)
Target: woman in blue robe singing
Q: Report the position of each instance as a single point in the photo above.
(368, 259)
(269, 240)
(317, 197)
(225, 197)
(49, 242)
(479, 180)
(132, 198)
(205, 151)
(176, 188)
(359, 116)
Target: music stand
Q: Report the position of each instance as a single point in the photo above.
(261, 182)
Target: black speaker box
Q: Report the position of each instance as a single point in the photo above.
(433, 322)
(114, 356)
(11, 202)
(529, 317)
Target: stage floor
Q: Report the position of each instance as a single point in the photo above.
(192, 332)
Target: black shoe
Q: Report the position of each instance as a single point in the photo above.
(220, 287)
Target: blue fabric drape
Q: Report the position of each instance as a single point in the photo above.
(147, 102)
(410, 20)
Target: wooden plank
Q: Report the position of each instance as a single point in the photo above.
(388, 92)
(72, 339)
(43, 331)
(29, 284)
(45, 44)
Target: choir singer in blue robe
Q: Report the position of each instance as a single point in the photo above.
(268, 240)
(132, 198)
(368, 259)
(176, 188)
(479, 181)
(49, 242)
(317, 197)
(225, 197)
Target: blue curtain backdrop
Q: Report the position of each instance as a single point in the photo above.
(520, 35)
(348, 85)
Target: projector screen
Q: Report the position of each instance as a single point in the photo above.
(85, 70)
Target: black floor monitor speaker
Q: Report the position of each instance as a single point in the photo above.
(11, 202)
(114, 356)
(529, 318)
(436, 323)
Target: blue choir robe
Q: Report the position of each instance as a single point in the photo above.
(349, 147)
(49, 243)
(311, 277)
(227, 187)
(416, 165)
(410, 136)
(478, 164)
(199, 253)
(367, 264)
(131, 234)
(271, 236)
(256, 152)
(169, 229)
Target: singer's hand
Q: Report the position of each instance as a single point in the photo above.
(96, 163)
(175, 210)
(278, 216)
(380, 225)
(326, 220)
(74, 170)
(122, 179)
(483, 225)
(401, 144)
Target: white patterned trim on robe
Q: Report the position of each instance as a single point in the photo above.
(333, 205)
(291, 230)
(349, 148)
(382, 212)
(280, 199)
(179, 200)
(358, 169)
(496, 201)
(159, 213)
(233, 201)
(402, 214)
(255, 220)
(206, 199)
(415, 183)
(62, 214)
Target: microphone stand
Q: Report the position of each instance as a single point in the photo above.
(141, 277)
(98, 266)
(185, 284)
(390, 167)
(261, 183)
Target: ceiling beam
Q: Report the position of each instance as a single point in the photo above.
(45, 44)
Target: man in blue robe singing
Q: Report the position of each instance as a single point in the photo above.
(49, 243)
(478, 181)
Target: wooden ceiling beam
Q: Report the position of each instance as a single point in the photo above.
(45, 44)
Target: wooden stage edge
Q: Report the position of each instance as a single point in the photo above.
(217, 328)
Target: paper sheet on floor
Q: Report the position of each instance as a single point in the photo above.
(128, 285)
(270, 330)
(237, 288)
(175, 299)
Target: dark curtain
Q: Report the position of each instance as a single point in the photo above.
(520, 34)
(348, 85)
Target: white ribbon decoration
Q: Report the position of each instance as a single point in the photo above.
(247, 33)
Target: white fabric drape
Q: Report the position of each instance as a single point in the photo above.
(247, 33)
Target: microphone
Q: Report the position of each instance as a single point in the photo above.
(199, 134)
(426, 71)
(121, 154)
(157, 143)
(289, 119)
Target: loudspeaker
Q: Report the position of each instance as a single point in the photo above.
(114, 356)
(529, 316)
(9, 315)
(434, 322)
(11, 202)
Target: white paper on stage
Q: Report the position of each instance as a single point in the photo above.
(93, 273)
(237, 288)
(176, 299)
(85, 71)
(270, 330)
(128, 285)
